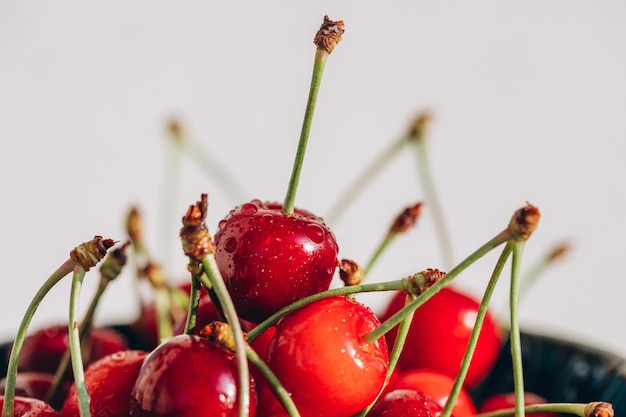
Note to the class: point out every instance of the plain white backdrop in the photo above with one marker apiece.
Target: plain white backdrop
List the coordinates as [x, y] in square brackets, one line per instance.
[528, 103]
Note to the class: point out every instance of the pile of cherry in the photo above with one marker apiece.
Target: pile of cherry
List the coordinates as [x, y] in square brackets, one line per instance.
[257, 331]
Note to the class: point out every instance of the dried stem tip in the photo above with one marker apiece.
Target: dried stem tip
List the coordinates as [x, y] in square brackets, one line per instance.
[175, 130]
[88, 254]
[134, 227]
[114, 262]
[599, 409]
[417, 284]
[524, 222]
[197, 242]
[350, 272]
[329, 35]
[419, 127]
[559, 251]
[406, 219]
[220, 333]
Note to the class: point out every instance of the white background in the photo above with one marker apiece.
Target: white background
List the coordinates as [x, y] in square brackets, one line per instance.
[528, 100]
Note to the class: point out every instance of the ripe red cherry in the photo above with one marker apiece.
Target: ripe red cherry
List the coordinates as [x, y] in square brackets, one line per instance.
[43, 350]
[109, 382]
[187, 376]
[405, 403]
[37, 385]
[31, 407]
[436, 385]
[319, 354]
[507, 400]
[270, 259]
[439, 334]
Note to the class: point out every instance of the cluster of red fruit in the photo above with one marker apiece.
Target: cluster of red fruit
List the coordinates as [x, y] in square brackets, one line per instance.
[261, 333]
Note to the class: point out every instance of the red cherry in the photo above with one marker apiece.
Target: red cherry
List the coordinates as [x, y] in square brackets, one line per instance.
[507, 400]
[37, 385]
[405, 403]
[436, 385]
[43, 350]
[439, 334]
[109, 382]
[319, 355]
[270, 259]
[187, 376]
[31, 407]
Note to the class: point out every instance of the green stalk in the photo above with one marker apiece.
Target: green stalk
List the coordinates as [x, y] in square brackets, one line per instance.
[9, 391]
[473, 340]
[394, 320]
[74, 343]
[365, 178]
[194, 302]
[384, 244]
[580, 410]
[212, 278]
[321, 57]
[516, 344]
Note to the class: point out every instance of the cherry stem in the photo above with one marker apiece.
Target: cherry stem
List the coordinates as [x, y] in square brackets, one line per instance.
[384, 244]
[359, 184]
[383, 286]
[474, 335]
[194, 302]
[516, 344]
[74, 343]
[597, 409]
[212, 280]
[277, 388]
[428, 185]
[531, 277]
[321, 57]
[9, 391]
[395, 319]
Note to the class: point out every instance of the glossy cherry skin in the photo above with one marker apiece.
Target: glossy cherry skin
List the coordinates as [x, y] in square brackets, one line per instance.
[436, 385]
[188, 376]
[405, 403]
[37, 385]
[507, 400]
[319, 354]
[109, 382]
[43, 350]
[270, 259]
[440, 332]
[31, 407]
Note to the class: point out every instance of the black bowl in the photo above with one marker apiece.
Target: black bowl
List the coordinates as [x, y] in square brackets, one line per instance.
[557, 369]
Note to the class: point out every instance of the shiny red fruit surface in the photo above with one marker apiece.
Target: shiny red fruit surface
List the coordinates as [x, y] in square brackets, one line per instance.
[109, 382]
[37, 385]
[439, 334]
[319, 354]
[42, 350]
[405, 403]
[270, 259]
[188, 376]
[436, 385]
[507, 400]
[31, 407]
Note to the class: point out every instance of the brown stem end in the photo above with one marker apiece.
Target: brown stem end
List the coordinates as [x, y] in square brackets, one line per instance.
[350, 272]
[524, 222]
[329, 34]
[406, 219]
[197, 242]
[599, 409]
[417, 284]
[88, 254]
[419, 128]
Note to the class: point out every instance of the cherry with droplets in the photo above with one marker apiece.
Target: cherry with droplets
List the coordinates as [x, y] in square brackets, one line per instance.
[405, 403]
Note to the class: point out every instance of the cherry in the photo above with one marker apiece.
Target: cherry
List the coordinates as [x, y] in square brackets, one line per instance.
[109, 382]
[42, 350]
[37, 385]
[319, 355]
[405, 403]
[435, 384]
[507, 400]
[31, 407]
[439, 334]
[186, 376]
[270, 259]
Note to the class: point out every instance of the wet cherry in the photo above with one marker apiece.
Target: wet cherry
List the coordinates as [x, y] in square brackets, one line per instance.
[319, 355]
[439, 334]
[31, 407]
[405, 403]
[507, 400]
[37, 385]
[187, 376]
[270, 259]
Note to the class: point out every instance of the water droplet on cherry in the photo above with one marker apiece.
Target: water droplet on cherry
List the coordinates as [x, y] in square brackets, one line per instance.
[249, 209]
[230, 244]
[315, 232]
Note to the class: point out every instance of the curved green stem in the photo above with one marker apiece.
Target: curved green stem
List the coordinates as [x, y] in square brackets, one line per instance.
[74, 343]
[516, 344]
[365, 178]
[274, 383]
[394, 320]
[212, 278]
[194, 302]
[170, 186]
[425, 174]
[559, 408]
[473, 340]
[265, 324]
[321, 57]
[384, 244]
[9, 391]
